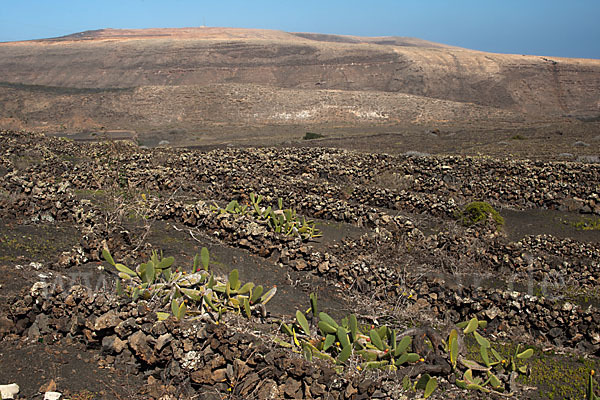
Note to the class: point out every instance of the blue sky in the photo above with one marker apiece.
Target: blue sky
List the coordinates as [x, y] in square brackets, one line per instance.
[539, 27]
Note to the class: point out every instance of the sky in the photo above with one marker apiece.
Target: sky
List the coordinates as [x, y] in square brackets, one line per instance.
[559, 28]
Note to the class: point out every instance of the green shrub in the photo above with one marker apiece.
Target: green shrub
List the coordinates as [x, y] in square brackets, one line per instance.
[479, 212]
[312, 135]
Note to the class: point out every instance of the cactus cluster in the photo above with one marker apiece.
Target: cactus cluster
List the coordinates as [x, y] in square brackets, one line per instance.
[385, 348]
[483, 377]
[198, 292]
[341, 343]
[279, 220]
[376, 347]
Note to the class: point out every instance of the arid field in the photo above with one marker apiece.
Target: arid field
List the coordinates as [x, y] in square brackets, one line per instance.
[214, 213]
[392, 247]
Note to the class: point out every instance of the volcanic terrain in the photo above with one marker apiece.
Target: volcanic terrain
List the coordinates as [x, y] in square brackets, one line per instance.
[373, 218]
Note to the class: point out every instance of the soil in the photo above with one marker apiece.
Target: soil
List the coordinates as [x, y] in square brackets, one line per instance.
[521, 223]
[71, 365]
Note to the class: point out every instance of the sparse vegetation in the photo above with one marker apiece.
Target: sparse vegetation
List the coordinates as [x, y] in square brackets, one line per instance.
[395, 223]
[375, 347]
[588, 224]
[560, 377]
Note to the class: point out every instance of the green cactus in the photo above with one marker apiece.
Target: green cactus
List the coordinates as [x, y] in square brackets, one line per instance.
[327, 324]
[301, 319]
[234, 281]
[307, 352]
[402, 346]
[156, 279]
[329, 341]
[344, 354]
[494, 381]
[471, 326]
[514, 360]
[247, 288]
[326, 328]
[353, 326]
[204, 258]
[408, 358]
[282, 220]
[478, 377]
[376, 339]
[483, 342]
[256, 294]
[313, 304]
[375, 364]
[178, 309]
[232, 206]
[339, 341]
[342, 335]
[427, 384]
[255, 200]
[382, 348]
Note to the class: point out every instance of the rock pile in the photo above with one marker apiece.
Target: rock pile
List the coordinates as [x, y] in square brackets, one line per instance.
[196, 356]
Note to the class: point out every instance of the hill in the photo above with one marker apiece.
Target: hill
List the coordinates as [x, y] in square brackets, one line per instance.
[209, 79]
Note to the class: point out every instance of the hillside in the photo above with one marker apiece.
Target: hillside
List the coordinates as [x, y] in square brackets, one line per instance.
[203, 78]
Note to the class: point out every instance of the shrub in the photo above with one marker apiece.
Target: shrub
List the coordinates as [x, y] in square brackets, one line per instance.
[312, 135]
[479, 212]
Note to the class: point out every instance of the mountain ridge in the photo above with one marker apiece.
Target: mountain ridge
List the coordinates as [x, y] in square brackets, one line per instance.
[209, 33]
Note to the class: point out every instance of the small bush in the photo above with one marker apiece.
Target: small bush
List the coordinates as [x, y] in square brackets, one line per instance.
[518, 137]
[312, 135]
[479, 212]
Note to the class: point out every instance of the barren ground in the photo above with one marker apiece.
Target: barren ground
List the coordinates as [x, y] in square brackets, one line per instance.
[396, 253]
[139, 135]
